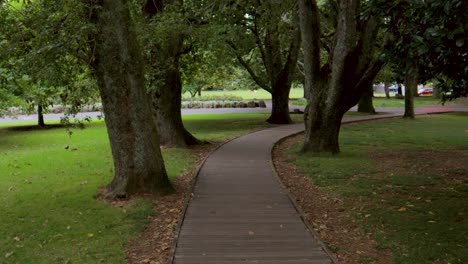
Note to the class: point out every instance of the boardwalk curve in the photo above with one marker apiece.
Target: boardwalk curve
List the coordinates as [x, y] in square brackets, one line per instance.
[239, 212]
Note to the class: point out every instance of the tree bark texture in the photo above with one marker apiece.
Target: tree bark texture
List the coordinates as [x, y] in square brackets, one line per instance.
[280, 106]
[337, 85]
[166, 91]
[139, 166]
[167, 97]
[40, 116]
[365, 104]
[411, 83]
[387, 90]
[280, 75]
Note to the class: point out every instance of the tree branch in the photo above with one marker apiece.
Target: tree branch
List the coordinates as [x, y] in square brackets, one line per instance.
[249, 69]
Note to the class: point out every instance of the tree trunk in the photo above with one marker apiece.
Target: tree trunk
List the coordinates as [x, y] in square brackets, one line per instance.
[280, 105]
[139, 166]
[167, 89]
[167, 100]
[399, 91]
[365, 103]
[40, 116]
[387, 90]
[339, 84]
[411, 82]
[322, 130]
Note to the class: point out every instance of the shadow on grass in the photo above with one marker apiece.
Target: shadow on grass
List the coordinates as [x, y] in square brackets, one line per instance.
[28, 128]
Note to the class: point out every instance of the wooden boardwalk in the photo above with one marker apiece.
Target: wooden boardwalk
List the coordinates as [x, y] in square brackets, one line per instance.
[240, 214]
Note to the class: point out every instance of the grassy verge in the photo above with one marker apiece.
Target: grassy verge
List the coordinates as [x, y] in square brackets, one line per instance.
[259, 94]
[47, 207]
[404, 182]
[396, 102]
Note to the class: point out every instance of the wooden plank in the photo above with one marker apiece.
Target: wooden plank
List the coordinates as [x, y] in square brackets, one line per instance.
[240, 214]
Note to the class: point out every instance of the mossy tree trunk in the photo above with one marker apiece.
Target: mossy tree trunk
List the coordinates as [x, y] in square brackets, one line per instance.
[166, 90]
[139, 166]
[338, 85]
[40, 116]
[365, 104]
[411, 84]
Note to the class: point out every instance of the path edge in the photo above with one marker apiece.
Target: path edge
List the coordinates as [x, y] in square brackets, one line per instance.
[314, 233]
[189, 197]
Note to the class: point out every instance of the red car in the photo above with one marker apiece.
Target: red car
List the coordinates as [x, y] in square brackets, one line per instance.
[427, 91]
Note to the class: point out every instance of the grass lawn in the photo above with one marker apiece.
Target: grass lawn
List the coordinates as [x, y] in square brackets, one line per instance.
[404, 182]
[48, 210]
[395, 102]
[259, 94]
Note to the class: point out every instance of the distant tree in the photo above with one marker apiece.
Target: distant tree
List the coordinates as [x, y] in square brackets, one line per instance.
[430, 38]
[386, 76]
[264, 37]
[165, 45]
[44, 67]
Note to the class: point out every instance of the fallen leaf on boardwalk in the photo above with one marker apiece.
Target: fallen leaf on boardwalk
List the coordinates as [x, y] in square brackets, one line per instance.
[251, 233]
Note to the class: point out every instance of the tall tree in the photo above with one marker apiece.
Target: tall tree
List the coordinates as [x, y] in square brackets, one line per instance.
[133, 135]
[338, 84]
[165, 76]
[430, 38]
[40, 49]
[266, 42]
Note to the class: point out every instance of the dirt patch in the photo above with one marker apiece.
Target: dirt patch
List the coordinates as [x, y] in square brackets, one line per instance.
[450, 165]
[328, 215]
[154, 245]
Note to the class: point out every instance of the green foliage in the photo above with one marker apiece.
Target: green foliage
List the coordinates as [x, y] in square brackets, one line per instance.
[44, 48]
[413, 206]
[432, 34]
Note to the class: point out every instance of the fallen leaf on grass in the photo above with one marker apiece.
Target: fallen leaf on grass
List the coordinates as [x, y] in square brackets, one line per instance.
[90, 235]
[402, 209]
[16, 238]
[8, 254]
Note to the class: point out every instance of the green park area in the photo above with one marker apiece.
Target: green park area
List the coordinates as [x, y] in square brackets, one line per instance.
[404, 182]
[49, 180]
[116, 190]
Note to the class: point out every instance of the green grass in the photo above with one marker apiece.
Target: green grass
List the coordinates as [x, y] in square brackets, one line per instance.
[395, 102]
[48, 210]
[259, 94]
[416, 207]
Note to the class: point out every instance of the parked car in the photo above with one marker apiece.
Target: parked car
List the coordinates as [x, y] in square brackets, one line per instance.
[426, 91]
[393, 88]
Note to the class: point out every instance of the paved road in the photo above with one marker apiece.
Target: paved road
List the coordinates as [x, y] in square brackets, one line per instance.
[49, 117]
